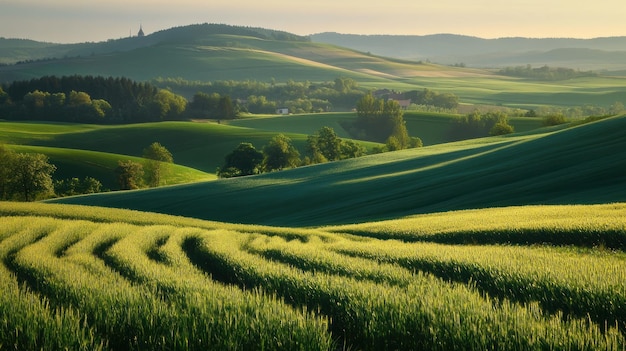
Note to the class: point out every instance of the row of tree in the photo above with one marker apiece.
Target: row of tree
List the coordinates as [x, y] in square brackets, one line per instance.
[545, 72]
[88, 99]
[261, 97]
[280, 153]
[478, 124]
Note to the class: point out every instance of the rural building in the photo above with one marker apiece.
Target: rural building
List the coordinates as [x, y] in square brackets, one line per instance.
[404, 103]
[141, 33]
[282, 111]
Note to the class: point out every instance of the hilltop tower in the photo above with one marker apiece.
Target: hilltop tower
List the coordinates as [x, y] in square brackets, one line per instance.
[140, 34]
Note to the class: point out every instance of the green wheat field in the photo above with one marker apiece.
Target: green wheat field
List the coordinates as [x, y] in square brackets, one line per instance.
[116, 279]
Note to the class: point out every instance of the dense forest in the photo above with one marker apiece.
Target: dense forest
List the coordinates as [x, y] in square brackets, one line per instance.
[88, 99]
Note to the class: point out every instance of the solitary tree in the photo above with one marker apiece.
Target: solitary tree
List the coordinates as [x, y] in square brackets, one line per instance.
[129, 174]
[156, 164]
[244, 160]
[280, 153]
[31, 176]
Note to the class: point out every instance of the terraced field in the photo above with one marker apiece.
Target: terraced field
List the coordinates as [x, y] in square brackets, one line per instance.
[89, 278]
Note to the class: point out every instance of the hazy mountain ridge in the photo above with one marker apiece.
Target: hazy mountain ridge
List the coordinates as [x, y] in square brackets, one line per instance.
[17, 50]
[474, 51]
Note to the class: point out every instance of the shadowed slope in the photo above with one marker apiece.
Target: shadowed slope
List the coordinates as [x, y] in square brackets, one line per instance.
[586, 164]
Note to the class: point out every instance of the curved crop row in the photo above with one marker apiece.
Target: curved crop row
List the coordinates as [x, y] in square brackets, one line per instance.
[163, 282]
[131, 315]
[584, 226]
[426, 314]
[582, 285]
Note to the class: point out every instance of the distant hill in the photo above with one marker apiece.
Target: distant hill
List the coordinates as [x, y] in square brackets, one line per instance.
[15, 50]
[209, 52]
[212, 52]
[598, 53]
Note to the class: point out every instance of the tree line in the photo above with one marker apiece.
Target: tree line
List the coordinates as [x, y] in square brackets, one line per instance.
[265, 98]
[545, 72]
[280, 153]
[480, 124]
[88, 99]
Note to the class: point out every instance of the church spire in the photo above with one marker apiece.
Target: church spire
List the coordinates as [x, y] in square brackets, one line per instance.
[140, 34]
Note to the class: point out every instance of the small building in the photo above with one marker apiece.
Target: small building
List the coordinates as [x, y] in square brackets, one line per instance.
[141, 33]
[282, 111]
[404, 103]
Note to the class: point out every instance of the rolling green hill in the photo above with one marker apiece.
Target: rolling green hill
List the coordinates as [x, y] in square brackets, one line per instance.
[198, 145]
[584, 164]
[212, 52]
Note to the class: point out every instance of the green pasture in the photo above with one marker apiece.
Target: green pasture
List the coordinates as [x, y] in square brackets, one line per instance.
[153, 281]
[578, 165]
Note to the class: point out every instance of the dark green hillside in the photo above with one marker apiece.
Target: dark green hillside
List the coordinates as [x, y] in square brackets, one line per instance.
[584, 164]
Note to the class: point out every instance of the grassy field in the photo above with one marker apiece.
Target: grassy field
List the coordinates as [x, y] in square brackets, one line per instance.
[99, 279]
[583, 164]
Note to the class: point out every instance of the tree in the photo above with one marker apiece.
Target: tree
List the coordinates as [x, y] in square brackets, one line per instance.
[379, 120]
[7, 158]
[350, 149]
[129, 174]
[75, 186]
[31, 176]
[554, 119]
[280, 154]
[324, 143]
[244, 160]
[157, 157]
[226, 108]
[167, 105]
[501, 128]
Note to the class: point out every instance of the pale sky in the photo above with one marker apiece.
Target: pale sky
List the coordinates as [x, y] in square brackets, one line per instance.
[68, 21]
